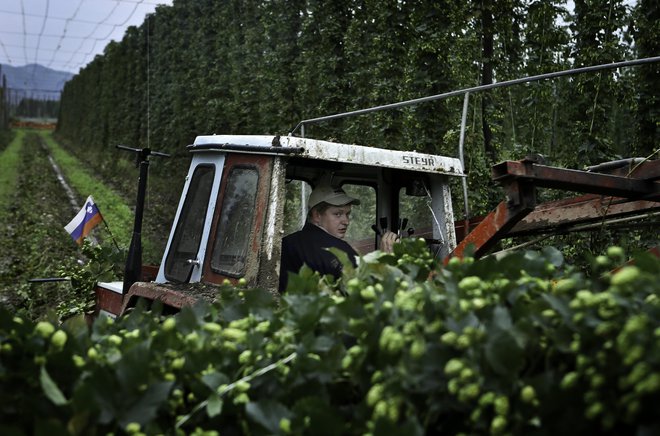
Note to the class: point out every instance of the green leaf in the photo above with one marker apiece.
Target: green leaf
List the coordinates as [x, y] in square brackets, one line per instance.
[267, 413]
[77, 325]
[214, 379]
[559, 305]
[144, 409]
[504, 347]
[501, 318]
[343, 258]
[305, 281]
[553, 256]
[323, 419]
[305, 310]
[374, 257]
[130, 370]
[261, 301]
[647, 261]
[504, 353]
[189, 318]
[213, 405]
[51, 390]
[323, 343]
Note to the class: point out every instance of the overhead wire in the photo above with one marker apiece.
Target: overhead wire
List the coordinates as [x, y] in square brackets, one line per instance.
[89, 35]
[5, 50]
[81, 52]
[9, 32]
[41, 32]
[66, 28]
[24, 31]
[29, 47]
[114, 27]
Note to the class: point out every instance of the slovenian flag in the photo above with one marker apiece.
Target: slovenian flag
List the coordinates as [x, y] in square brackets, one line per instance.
[83, 223]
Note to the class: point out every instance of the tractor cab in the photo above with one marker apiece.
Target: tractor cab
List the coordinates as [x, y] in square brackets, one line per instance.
[243, 194]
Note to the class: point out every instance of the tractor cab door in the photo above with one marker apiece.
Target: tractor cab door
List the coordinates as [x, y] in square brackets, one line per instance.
[186, 247]
[237, 229]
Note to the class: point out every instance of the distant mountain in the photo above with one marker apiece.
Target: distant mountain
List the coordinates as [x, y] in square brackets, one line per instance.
[34, 81]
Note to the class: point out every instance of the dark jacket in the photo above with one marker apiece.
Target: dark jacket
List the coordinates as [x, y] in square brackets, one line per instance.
[308, 246]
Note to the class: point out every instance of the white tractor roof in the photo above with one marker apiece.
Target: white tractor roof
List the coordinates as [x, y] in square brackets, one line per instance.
[329, 151]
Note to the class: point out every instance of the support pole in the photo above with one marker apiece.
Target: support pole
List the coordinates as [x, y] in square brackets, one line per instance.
[133, 268]
[461, 143]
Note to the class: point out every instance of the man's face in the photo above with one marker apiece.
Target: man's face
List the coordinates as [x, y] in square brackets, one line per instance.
[334, 220]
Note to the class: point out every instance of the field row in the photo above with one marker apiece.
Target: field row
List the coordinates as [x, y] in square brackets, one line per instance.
[35, 209]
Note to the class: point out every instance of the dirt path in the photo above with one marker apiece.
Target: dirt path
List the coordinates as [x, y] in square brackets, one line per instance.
[73, 198]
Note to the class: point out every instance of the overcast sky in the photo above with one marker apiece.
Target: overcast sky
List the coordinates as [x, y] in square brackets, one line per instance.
[65, 35]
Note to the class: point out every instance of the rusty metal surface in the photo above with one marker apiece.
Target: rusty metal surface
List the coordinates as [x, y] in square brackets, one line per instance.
[575, 180]
[464, 227]
[175, 296]
[633, 189]
[107, 300]
[648, 170]
[520, 201]
[492, 228]
[553, 216]
[149, 273]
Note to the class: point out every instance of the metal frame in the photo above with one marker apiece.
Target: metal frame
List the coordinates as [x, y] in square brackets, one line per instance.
[466, 94]
[570, 72]
[610, 195]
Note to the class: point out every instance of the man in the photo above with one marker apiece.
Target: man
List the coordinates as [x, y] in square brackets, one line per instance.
[327, 222]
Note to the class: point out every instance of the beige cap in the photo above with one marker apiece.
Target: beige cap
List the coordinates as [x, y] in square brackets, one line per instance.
[334, 196]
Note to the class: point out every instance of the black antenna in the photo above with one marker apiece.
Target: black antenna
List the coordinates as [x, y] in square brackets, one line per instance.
[133, 268]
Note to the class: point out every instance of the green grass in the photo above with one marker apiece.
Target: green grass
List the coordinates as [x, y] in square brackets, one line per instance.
[32, 235]
[116, 213]
[9, 162]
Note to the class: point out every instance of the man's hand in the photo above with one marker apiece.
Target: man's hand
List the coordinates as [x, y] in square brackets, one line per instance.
[387, 241]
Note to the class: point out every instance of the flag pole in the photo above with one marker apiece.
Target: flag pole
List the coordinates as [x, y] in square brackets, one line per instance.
[105, 223]
[109, 231]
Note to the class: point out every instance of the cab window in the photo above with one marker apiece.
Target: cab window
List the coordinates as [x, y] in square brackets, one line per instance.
[236, 219]
[188, 233]
[294, 213]
[417, 209]
[359, 235]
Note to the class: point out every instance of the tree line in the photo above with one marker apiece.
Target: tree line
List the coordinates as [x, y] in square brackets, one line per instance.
[259, 67]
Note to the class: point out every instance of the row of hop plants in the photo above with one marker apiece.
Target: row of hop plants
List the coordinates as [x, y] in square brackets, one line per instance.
[525, 344]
